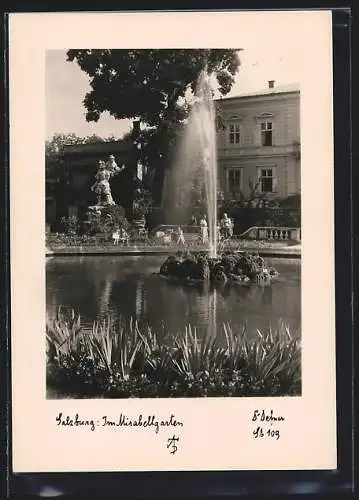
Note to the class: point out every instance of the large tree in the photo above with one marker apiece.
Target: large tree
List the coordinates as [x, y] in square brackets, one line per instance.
[151, 86]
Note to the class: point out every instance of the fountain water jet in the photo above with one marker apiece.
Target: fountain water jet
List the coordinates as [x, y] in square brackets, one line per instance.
[196, 164]
[197, 161]
[204, 121]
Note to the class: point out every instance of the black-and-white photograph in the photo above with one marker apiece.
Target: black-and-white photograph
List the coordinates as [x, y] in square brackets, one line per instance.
[173, 222]
[172, 241]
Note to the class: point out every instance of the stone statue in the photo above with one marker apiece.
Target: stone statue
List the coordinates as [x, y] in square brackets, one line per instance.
[102, 185]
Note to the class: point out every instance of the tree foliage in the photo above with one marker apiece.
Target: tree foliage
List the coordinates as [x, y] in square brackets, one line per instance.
[59, 141]
[146, 84]
[151, 86]
[54, 148]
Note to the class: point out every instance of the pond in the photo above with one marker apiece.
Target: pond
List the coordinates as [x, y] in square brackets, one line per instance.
[126, 286]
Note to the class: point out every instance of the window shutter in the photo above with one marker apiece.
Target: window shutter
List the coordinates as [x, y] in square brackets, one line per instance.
[72, 211]
[257, 181]
[273, 133]
[257, 134]
[227, 180]
[275, 185]
[230, 134]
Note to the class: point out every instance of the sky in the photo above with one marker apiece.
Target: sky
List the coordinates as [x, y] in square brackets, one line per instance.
[66, 85]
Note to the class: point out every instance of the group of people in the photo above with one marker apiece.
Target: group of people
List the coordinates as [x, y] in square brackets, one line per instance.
[120, 235]
[224, 230]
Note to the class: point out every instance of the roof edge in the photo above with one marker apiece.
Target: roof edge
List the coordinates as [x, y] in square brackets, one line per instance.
[283, 89]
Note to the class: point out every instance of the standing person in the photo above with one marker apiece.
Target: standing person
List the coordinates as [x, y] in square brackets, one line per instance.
[203, 228]
[124, 237]
[193, 220]
[180, 236]
[227, 226]
[116, 236]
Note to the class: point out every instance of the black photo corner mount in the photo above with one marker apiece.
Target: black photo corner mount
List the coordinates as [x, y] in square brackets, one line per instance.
[228, 483]
[5, 351]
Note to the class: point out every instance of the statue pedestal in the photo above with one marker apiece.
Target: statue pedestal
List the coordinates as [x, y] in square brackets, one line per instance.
[105, 219]
[96, 208]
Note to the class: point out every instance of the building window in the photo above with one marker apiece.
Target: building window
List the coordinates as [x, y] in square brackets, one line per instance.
[267, 133]
[80, 181]
[234, 133]
[50, 209]
[234, 180]
[267, 180]
[72, 211]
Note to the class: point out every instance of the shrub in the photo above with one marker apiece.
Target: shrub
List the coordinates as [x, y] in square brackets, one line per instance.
[106, 219]
[240, 267]
[71, 224]
[56, 240]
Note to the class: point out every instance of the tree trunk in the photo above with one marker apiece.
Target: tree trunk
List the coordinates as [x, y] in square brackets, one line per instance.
[158, 183]
[164, 134]
[131, 196]
[132, 173]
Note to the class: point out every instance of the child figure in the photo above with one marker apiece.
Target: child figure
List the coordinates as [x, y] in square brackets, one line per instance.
[180, 236]
[167, 239]
[124, 237]
[116, 236]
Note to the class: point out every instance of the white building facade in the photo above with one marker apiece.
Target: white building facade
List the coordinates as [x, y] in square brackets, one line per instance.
[259, 146]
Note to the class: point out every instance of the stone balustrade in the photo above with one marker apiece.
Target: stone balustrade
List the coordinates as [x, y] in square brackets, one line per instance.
[273, 233]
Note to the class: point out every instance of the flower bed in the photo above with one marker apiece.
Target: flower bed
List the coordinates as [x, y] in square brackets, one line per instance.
[59, 240]
[62, 240]
[121, 361]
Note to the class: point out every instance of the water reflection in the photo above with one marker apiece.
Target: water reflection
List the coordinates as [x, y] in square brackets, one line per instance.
[126, 286]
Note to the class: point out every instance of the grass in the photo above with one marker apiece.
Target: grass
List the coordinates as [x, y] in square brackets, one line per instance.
[122, 360]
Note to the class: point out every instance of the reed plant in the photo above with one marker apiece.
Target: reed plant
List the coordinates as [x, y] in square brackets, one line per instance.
[62, 334]
[197, 355]
[124, 359]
